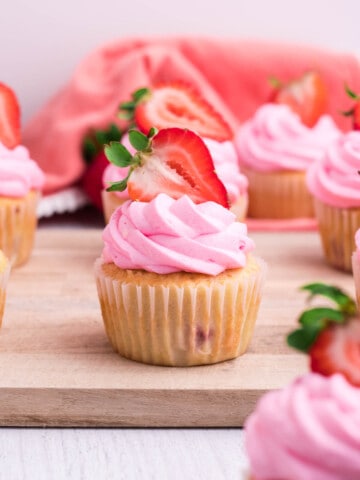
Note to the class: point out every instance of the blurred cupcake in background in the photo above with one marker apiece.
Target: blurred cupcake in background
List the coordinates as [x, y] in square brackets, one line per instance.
[275, 149]
[356, 265]
[334, 182]
[21, 181]
[4, 275]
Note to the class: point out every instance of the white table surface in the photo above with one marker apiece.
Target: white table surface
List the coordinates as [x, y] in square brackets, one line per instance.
[119, 454]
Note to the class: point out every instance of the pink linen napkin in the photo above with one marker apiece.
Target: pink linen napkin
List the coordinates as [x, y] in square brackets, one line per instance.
[231, 74]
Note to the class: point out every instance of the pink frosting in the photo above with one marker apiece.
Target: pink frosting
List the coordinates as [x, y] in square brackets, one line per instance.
[18, 173]
[335, 179]
[112, 173]
[167, 235]
[309, 430]
[275, 139]
[227, 168]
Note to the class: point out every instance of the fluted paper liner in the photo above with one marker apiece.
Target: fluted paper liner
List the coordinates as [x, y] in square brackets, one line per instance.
[110, 203]
[4, 276]
[278, 195]
[179, 319]
[356, 273]
[17, 227]
[337, 227]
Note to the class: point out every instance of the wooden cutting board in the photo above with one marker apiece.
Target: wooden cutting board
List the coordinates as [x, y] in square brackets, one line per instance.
[57, 367]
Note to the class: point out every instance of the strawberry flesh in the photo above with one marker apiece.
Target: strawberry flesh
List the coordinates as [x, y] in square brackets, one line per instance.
[337, 350]
[178, 164]
[306, 96]
[9, 117]
[178, 105]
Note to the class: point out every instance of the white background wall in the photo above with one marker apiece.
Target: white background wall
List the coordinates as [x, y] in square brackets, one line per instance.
[41, 41]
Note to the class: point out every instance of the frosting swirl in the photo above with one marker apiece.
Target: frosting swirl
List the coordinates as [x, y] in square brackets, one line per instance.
[227, 167]
[18, 173]
[167, 235]
[309, 430]
[335, 179]
[275, 139]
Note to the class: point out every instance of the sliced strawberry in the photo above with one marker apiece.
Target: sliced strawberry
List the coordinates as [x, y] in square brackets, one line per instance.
[178, 105]
[337, 350]
[175, 161]
[306, 96]
[9, 117]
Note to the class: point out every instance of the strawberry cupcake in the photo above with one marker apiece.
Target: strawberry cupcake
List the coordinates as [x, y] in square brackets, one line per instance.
[311, 429]
[20, 183]
[275, 150]
[4, 275]
[177, 281]
[334, 182]
[356, 265]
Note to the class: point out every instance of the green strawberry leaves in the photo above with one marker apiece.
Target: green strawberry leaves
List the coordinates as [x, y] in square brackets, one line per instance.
[315, 320]
[127, 109]
[120, 156]
[95, 140]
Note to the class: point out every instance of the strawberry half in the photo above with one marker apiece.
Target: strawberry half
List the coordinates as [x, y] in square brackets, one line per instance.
[331, 336]
[176, 104]
[9, 117]
[354, 112]
[337, 350]
[306, 96]
[173, 161]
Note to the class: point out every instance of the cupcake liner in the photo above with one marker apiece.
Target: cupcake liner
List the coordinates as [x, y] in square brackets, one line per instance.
[110, 203]
[240, 207]
[17, 227]
[179, 319]
[337, 227]
[356, 273]
[4, 276]
[278, 195]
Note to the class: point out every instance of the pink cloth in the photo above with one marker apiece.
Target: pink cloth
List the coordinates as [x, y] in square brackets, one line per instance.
[231, 74]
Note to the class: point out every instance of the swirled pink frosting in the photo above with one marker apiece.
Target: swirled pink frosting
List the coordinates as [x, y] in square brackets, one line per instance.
[227, 168]
[309, 430]
[18, 173]
[276, 140]
[335, 179]
[167, 235]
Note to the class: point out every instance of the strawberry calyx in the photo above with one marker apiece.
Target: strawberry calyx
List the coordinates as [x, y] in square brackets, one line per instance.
[120, 156]
[127, 109]
[353, 112]
[316, 320]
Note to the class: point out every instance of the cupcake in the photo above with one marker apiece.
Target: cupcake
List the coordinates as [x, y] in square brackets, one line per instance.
[311, 428]
[334, 182]
[177, 281]
[4, 274]
[226, 165]
[308, 430]
[275, 149]
[356, 266]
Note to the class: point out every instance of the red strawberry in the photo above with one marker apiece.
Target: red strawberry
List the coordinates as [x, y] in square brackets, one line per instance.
[337, 350]
[9, 117]
[92, 179]
[175, 162]
[306, 96]
[177, 104]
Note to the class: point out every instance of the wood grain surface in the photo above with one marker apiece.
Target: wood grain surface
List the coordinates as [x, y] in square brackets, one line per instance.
[58, 369]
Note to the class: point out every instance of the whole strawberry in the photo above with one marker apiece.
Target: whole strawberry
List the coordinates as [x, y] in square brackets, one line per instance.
[93, 154]
[306, 96]
[331, 336]
[9, 117]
